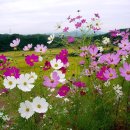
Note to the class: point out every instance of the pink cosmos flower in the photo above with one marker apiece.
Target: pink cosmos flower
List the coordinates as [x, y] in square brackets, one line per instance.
[28, 47]
[115, 33]
[82, 62]
[100, 73]
[63, 91]
[66, 29]
[78, 25]
[93, 50]
[70, 39]
[110, 74]
[122, 52]
[53, 82]
[12, 71]
[40, 48]
[78, 17]
[79, 84]
[47, 65]
[124, 45]
[111, 59]
[72, 20]
[15, 43]
[3, 60]
[31, 59]
[125, 71]
[84, 48]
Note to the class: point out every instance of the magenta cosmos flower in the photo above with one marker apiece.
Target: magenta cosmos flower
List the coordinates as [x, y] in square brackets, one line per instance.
[53, 82]
[40, 48]
[125, 71]
[110, 74]
[63, 91]
[12, 71]
[15, 43]
[70, 39]
[100, 74]
[31, 59]
[63, 56]
[79, 84]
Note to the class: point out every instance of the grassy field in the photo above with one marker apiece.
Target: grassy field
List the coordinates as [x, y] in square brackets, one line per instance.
[101, 112]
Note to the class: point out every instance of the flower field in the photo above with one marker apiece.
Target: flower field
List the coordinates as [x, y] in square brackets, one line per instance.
[84, 85]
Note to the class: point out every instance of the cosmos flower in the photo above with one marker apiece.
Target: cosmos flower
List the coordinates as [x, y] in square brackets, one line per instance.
[28, 47]
[93, 50]
[106, 40]
[51, 82]
[47, 65]
[15, 43]
[78, 25]
[51, 38]
[125, 71]
[40, 48]
[63, 90]
[56, 64]
[10, 82]
[40, 105]
[31, 59]
[70, 39]
[26, 110]
[100, 73]
[60, 75]
[63, 56]
[110, 74]
[124, 45]
[25, 82]
[12, 71]
[79, 84]
[66, 29]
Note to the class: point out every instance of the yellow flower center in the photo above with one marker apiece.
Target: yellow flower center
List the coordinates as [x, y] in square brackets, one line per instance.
[25, 83]
[128, 72]
[38, 106]
[27, 109]
[110, 75]
[10, 83]
[56, 65]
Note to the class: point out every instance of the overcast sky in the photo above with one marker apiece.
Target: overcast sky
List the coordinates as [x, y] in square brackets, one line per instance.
[41, 16]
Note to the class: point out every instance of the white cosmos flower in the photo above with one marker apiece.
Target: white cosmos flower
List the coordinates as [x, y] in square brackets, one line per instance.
[25, 83]
[33, 76]
[51, 38]
[56, 64]
[40, 105]
[26, 109]
[61, 76]
[10, 82]
[40, 58]
[100, 48]
[106, 40]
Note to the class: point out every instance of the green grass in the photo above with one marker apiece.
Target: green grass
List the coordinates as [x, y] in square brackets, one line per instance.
[89, 112]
